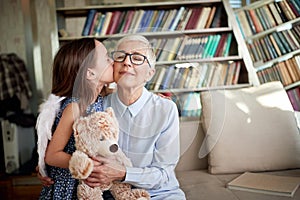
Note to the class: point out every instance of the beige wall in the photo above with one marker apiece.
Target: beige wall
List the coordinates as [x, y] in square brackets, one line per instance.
[28, 28]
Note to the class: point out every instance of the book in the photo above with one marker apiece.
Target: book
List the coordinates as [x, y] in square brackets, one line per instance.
[244, 25]
[152, 20]
[294, 7]
[277, 49]
[266, 184]
[250, 22]
[98, 28]
[158, 20]
[128, 21]
[95, 24]
[227, 45]
[169, 20]
[113, 25]
[184, 19]
[216, 23]
[174, 50]
[203, 18]
[193, 18]
[261, 18]
[137, 24]
[285, 10]
[210, 17]
[147, 16]
[121, 22]
[204, 71]
[275, 14]
[106, 22]
[269, 17]
[257, 25]
[159, 79]
[88, 22]
[282, 15]
[178, 15]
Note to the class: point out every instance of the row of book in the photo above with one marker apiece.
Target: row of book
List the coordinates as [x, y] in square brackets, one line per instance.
[132, 21]
[192, 47]
[186, 47]
[195, 75]
[294, 96]
[252, 21]
[275, 44]
[287, 72]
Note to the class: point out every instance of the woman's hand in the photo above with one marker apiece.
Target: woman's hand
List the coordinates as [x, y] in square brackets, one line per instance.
[45, 180]
[105, 171]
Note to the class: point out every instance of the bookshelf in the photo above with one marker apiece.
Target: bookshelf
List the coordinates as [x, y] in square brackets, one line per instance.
[269, 34]
[195, 43]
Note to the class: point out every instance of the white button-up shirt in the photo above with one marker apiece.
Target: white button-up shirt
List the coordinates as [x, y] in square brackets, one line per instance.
[149, 136]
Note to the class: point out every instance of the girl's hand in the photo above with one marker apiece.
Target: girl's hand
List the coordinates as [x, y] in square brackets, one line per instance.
[46, 181]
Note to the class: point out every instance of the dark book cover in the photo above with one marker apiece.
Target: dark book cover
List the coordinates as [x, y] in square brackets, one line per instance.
[88, 22]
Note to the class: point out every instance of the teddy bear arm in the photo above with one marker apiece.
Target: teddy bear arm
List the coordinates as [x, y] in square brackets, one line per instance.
[85, 192]
[123, 191]
[80, 165]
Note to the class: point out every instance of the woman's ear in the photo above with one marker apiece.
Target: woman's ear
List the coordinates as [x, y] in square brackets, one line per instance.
[90, 74]
[150, 74]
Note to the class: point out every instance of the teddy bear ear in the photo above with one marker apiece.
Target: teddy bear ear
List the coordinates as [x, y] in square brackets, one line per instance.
[110, 111]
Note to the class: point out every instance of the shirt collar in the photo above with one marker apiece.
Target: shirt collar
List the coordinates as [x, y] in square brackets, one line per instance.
[134, 108]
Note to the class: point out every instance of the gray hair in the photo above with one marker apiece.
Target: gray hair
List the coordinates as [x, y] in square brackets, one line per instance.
[150, 51]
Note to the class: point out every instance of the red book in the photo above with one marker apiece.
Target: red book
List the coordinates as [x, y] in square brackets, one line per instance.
[220, 47]
[193, 19]
[256, 22]
[128, 20]
[113, 22]
[94, 23]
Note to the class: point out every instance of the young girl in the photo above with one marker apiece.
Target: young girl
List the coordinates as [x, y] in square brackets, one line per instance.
[81, 68]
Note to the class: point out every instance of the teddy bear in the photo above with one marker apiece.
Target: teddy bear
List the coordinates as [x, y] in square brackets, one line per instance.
[97, 135]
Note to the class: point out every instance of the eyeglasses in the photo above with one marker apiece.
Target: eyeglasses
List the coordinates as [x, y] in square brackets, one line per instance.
[135, 58]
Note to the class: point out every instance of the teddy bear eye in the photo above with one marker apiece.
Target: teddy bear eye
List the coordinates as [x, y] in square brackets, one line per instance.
[101, 139]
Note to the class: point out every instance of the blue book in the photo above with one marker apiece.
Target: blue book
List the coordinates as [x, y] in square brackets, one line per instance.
[176, 19]
[167, 77]
[158, 20]
[100, 25]
[144, 21]
[228, 44]
[88, 22]
[148, 20]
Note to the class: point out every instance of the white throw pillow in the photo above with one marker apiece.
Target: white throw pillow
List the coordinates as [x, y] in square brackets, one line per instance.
[249, 129]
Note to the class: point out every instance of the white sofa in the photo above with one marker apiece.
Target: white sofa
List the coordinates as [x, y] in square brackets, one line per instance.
[200, 179]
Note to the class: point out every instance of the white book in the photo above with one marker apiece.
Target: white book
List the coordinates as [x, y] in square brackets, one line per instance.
[177, 18]
[203, 17]
[159, 78]
[266, 184]
[169, 20]
[137, 24]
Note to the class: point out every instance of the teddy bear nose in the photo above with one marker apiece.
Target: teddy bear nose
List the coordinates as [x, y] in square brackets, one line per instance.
[113, 148]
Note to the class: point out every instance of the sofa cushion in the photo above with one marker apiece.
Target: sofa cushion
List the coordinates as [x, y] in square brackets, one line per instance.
[249, 129]
[199, 184]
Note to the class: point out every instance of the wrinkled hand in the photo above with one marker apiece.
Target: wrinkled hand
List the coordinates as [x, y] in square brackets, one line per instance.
[45, 180]
[105, 171]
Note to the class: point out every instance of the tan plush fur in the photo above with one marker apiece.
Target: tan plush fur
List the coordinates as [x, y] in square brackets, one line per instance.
[97, 135]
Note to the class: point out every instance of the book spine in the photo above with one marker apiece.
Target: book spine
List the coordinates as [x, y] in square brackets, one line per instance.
[177, 18]
[88, 22]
